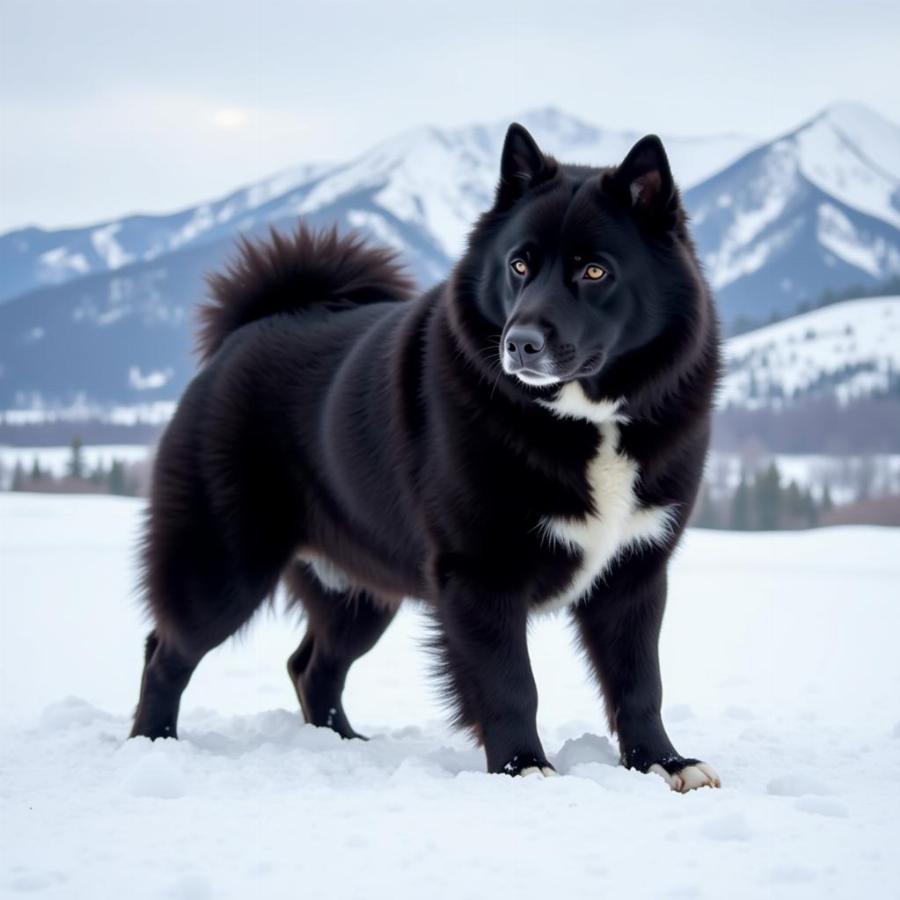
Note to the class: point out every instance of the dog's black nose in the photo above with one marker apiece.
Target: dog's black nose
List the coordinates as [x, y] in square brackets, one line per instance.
[525, 344]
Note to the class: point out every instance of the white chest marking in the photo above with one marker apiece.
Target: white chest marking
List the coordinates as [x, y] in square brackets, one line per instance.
[331, 576]
[618, 521]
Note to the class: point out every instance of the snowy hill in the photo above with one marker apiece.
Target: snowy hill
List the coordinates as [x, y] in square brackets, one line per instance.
[848, 350]
[816, 209]
[791, 695]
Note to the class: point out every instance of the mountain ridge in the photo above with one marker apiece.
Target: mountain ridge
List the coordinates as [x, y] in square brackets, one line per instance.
[116, 328]
[34, 257]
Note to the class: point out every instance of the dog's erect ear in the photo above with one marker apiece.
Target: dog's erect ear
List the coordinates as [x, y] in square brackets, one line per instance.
[521, 164]
[646, 179]
[522, 158]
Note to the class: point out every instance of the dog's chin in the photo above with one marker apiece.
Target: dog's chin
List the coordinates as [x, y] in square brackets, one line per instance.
[592, 366]
[536, 379]
[586, 369]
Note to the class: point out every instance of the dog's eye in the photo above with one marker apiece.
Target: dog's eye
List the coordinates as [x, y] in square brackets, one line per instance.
[519, 266]
[593, 272]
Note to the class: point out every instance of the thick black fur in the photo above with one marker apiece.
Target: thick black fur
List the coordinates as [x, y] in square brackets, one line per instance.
[341, 426]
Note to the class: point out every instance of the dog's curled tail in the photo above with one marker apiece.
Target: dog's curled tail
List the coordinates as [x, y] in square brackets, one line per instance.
[289, 273]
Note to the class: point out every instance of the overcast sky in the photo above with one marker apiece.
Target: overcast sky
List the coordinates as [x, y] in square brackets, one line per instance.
[112, 106]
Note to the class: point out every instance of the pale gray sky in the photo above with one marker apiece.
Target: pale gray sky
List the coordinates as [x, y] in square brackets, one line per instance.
[113, 106]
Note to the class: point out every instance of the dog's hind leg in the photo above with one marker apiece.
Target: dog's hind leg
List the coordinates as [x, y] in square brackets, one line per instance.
[203, 583]
[176, 646]
[166, 674]
[342, 626]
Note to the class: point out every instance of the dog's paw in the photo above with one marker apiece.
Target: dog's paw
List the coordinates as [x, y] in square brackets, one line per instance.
[529, 764]
[543, 771]
[692, 776]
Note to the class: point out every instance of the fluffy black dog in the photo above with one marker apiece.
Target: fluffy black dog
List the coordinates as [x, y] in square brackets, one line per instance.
[526, 436]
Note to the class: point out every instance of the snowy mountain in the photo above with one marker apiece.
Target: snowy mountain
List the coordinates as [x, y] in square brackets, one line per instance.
[103, 314]
[849, 350]
[107, 313]
[34, 257]
[816, 209]
[419, 192]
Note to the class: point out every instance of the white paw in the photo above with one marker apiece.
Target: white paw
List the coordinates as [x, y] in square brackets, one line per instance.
[545, 771]
[689, 778]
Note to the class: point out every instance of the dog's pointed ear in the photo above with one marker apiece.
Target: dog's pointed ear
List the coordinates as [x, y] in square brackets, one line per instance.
[521, 164]
[645, 179]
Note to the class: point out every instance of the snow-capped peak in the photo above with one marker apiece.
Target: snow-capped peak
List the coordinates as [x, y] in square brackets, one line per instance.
[425, 187]
[852, 153]
[565, 128]
[816, 209]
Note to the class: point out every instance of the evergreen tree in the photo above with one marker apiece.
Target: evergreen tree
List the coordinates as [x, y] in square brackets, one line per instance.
[740, 505]
[37, 474]
[98, 476]
[116, 481]
[76, 458]
[767, 499]
[795, 506]
[826, 504]
[18, 479]
[812, 509]
[705, 515]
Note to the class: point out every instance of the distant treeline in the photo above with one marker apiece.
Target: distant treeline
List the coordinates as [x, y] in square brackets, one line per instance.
[742, 324]
[118, 478]
[762, 502]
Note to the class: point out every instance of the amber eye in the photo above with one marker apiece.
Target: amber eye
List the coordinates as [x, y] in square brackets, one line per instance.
[519, 266]
[593, 272]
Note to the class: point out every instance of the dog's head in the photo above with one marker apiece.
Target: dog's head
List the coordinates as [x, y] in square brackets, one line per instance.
[579, 266]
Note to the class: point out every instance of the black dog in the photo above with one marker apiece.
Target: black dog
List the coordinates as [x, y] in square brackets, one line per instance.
[526, 436]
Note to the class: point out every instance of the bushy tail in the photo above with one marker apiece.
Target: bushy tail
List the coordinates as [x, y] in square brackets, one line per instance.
[288, 273]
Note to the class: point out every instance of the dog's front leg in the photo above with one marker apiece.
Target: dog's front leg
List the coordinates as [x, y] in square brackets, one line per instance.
[483, 642]
[619, 626]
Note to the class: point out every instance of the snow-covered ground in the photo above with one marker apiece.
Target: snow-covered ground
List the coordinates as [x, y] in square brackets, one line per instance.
[780, 664]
